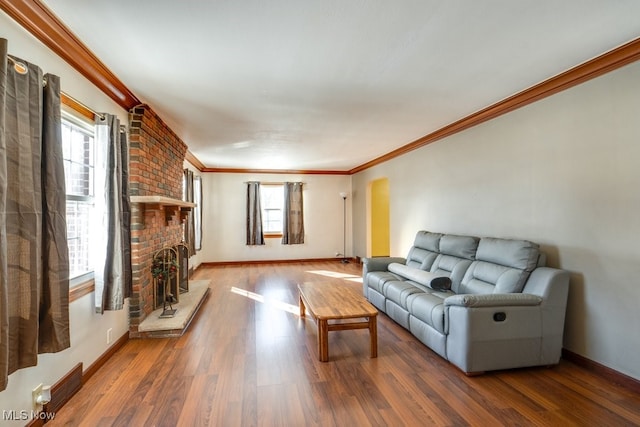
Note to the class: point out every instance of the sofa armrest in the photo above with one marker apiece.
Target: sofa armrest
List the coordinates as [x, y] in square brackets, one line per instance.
[492, 300]
[504, 331]
[379, 264]
[485, 336]
[414, 274]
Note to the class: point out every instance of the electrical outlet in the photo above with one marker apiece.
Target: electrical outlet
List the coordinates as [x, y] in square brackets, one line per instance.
[109, 331]
[35, 393]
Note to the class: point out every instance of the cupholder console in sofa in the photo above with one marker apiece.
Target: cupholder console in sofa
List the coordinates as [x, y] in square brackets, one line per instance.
[503, 308]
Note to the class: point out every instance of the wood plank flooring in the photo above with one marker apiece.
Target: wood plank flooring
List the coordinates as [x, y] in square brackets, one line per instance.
[248, 359]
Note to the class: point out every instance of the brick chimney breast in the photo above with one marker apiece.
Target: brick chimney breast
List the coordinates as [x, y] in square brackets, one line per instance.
[156, 167]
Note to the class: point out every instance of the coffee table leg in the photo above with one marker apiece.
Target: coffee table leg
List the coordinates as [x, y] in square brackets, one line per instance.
[301, 305]
[323, 340]
[373, 335]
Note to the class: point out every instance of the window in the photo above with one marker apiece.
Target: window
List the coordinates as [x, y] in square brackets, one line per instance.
[78, 149]
[272, 201]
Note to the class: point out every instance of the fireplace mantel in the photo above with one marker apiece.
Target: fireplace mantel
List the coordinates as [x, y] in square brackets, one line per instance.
[161, 200]
[171, 207]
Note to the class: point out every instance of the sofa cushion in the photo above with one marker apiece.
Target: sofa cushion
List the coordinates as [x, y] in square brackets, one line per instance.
[452, 267]
[485, 278]
[457, 253]
[427, 240]
[424, 250]
[377, 280]
[520, 254]
[399, 291]
[429, 308]
[501, 266]
[459, 246]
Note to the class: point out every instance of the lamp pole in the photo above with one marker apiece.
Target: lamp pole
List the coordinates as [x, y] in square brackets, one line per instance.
[344, 228]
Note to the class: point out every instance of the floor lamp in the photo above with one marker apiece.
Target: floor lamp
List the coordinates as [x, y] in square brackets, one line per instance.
[344, 228]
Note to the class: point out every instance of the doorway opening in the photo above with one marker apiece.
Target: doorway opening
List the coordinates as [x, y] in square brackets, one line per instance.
[378, 235]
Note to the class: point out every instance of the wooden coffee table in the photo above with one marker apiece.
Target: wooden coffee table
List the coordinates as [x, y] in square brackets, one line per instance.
[328, 301]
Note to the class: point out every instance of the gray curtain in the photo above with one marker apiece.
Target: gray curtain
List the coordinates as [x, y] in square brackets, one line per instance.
[292, 215]
[113, 281]
[190, 232]
[254, 215]
[197, 190]
[34, 260]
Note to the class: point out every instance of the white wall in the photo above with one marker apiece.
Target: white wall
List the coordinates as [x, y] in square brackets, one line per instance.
[563, 172]
[224, 220]
[88, 330]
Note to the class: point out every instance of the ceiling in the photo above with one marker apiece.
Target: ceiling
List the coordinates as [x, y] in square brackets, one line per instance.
[333, 84]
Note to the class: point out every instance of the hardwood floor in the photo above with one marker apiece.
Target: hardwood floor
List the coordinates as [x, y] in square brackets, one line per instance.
[248, 359]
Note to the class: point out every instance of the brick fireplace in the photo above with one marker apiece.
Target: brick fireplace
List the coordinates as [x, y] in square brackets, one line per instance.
[156, 170]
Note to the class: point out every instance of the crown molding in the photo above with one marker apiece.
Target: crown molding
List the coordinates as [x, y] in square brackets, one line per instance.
[33, 16]
[607, 62]
[191, 158]
[277, 171]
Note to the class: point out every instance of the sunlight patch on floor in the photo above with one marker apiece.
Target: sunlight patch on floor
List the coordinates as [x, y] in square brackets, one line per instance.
[268, 301]
[337, 275]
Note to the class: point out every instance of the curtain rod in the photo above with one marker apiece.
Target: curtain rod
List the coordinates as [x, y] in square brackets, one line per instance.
[22, 69]
[101, 115]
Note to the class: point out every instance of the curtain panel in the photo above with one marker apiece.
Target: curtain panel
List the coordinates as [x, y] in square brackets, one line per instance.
[255, 235]
[34, 260]
[112, 275]
[197, 189]
[292, 216]
[190, 231]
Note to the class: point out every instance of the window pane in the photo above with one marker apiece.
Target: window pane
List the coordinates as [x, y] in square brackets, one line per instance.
[78, 232]
[272, 199]
[79, 182]
[78, 152]
[272, 220]
[272, 196]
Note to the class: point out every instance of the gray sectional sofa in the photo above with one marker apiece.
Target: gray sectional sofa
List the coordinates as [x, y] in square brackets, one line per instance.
[504, 308]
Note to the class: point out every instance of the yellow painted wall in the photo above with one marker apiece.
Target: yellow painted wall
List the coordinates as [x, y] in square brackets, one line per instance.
[380, 217]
